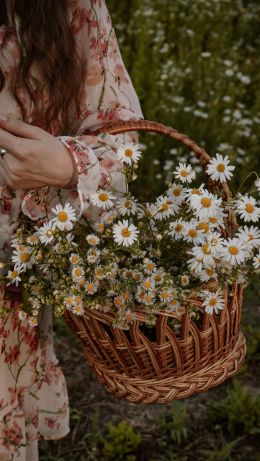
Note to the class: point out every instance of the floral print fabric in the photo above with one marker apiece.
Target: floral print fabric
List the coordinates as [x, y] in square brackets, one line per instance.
[33, 393]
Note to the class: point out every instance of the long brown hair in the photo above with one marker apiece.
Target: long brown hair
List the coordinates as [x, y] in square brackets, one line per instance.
[46, 39]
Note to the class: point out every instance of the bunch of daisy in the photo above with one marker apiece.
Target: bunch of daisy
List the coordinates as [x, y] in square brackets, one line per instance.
[149, 256]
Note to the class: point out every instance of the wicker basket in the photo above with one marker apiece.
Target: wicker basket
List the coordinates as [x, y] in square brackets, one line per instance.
[176, 364]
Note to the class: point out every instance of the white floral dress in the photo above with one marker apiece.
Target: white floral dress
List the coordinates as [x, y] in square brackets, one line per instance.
[33, 393]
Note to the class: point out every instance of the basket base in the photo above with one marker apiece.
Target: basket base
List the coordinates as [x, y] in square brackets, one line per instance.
[138, 390]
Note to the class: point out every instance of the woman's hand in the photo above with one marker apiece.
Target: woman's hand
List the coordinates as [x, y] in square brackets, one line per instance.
[34, 157]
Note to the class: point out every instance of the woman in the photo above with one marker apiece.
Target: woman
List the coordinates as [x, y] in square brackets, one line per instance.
[61, 74]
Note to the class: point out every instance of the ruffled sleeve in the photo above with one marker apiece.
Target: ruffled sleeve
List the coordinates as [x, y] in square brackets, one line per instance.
[107, 94]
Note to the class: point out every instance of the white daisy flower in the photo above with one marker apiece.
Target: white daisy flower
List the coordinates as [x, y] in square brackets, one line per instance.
[256, 261]
[69, 301]
[108, 217]
[247, 208]
[33, 322]
[14, 277]
[102, 199]
[125, 233]
[100, 273]
[250, 235]
[65, 216]
[176, 192]
[77, 273]
[165, 207]
[213, 302]
[127, 206]
[78, 309]
[90, 287]
[215, 241]
[165, 295]
[177, 229]
[92, 239]
[149, 266]
[148, 298]
[22, 259]
[148, 284]
[207, 274]
[234, 251]
[74, 259]
[204, 254]
[159, 276]
[195, 265]
[99, 227]
[188, 193]
[32, 240]
[219, 169]
[46, 233]
[185, 280]
[205, 204]
[184, 172]
[192, 233]
[217, 219]
[22, 316]
[93, 255]
[129, 153]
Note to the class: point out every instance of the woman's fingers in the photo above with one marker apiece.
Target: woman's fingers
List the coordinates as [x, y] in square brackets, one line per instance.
[19, 128]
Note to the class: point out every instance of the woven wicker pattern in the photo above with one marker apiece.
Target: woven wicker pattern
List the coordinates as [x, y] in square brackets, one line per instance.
[180, 356]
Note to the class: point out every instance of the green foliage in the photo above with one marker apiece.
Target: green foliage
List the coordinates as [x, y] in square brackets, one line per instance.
[223, 453]
[120, 443]
[238, 412]
[174, 424]
[195, 66]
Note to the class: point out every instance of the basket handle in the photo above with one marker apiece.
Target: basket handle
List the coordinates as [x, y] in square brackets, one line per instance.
[148, 125]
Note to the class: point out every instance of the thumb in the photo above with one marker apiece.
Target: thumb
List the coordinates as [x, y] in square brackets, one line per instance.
[18, 127]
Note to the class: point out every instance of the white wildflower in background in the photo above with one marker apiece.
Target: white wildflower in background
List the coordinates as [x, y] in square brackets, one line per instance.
[127, 206]
[125, 233]
[91, 287]
[129, 153]
[22, 316]
[184, 173]
[102, 199]
[65, 216]
[219, 168]
[213, 302]
[149, 266]
[77, 273]
[247, 208]
[33, 322]
[192, 233]
[74, 259]
[257, 184]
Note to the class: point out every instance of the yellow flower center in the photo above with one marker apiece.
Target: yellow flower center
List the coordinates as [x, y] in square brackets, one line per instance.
[150, 266]
[192, 233]
[204, 226]
[21, 247]
[148, 298]
[49, 233]
[147, 284]
[74, 259]
[92, 241]
[78, 272]
[196, 192]
[69, 300]
[209, 271]
[213, 302]
[62, 216]
[233, 250]
[213, 220]
[164, 295]
[206, 249]
[206, 202]
[184, 173]
[165, 206]
[90, 286]
[249, 208]
[176, 192]
[178, 227]
[14, 274]
[103, 197]
[125, 232]
[129, 153]
[24, 257]
[221, 167]
[128, 204]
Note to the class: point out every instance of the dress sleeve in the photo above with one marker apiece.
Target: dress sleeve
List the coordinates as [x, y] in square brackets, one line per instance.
[107, 94]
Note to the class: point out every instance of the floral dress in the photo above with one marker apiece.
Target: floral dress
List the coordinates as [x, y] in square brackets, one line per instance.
[33, 394]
